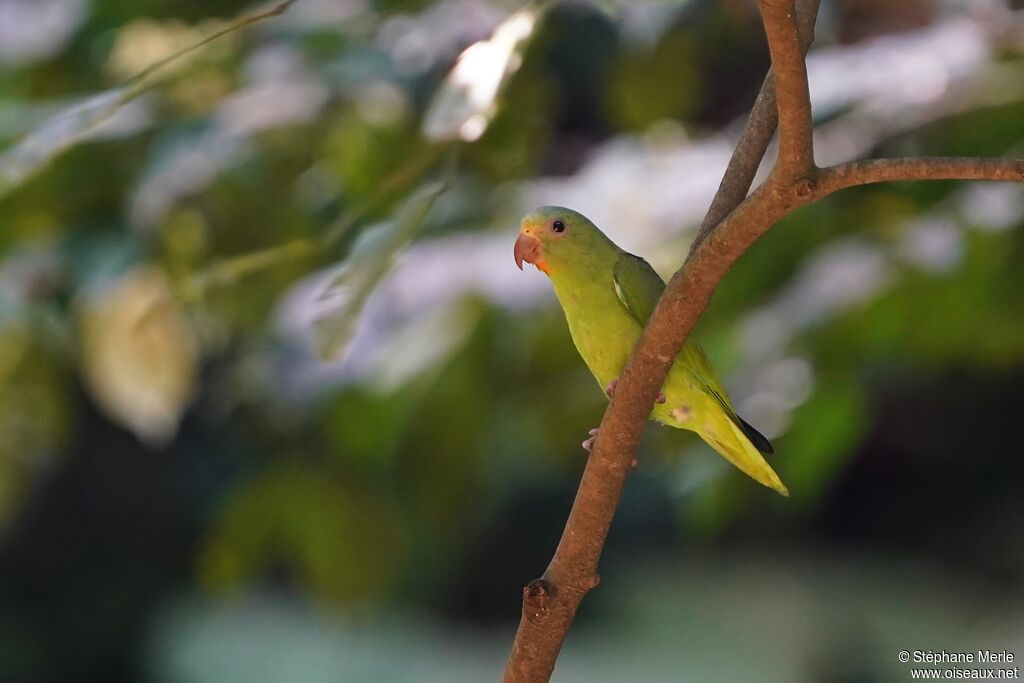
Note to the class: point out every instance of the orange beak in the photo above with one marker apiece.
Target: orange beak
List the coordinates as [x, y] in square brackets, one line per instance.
[528, 249]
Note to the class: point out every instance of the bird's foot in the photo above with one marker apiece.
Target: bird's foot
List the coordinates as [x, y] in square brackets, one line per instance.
[588, 445]
[610, 390]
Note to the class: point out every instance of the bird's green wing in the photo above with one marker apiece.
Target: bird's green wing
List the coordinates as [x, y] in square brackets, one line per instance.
[638, 288]
[696, 361]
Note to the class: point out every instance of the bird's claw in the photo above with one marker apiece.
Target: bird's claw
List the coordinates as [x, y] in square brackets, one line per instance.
[610, 390]
[588, 445]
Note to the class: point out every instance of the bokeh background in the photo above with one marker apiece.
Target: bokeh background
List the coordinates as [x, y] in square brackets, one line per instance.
[276, 406]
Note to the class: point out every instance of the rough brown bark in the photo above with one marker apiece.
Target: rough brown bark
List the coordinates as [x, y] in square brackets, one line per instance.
[550, 602]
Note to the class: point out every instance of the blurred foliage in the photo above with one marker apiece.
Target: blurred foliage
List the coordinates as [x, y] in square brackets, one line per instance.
[368, 262]
[346, 177]
[648, 86]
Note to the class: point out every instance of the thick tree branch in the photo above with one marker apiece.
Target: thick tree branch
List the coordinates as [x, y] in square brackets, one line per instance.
[550, 603]
[756, 136]
[796, 147]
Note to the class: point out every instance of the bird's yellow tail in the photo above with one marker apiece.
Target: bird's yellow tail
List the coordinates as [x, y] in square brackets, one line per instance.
[733, 445]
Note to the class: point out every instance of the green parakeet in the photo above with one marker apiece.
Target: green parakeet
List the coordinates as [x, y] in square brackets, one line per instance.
[607, 295]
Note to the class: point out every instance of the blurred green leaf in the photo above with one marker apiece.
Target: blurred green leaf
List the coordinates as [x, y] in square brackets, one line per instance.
[369, 261]
[65, 130]
[35, 411]
[360, 153]
[335, 537]
[824, 432]
[645, 87]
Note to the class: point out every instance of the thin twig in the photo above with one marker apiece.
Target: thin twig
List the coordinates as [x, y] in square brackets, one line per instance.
[232, 269]
[870, 171]
[240, 22]
[413, 168]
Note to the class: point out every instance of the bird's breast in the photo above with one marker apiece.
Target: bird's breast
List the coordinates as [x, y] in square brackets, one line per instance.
[602, 330]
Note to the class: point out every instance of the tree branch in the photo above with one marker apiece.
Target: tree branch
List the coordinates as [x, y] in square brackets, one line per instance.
[550, 602]
[756, 136]
[870, 171]
[796, 147]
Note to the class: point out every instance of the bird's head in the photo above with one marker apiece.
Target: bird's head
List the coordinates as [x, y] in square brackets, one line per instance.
[552, 237]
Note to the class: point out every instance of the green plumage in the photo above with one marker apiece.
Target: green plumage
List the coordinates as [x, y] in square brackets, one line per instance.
[607, 295]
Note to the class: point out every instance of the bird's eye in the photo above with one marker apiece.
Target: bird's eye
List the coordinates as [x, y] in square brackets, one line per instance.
[558, 226]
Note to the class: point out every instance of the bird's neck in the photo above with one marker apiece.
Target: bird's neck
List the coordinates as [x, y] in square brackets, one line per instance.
[588, 277]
